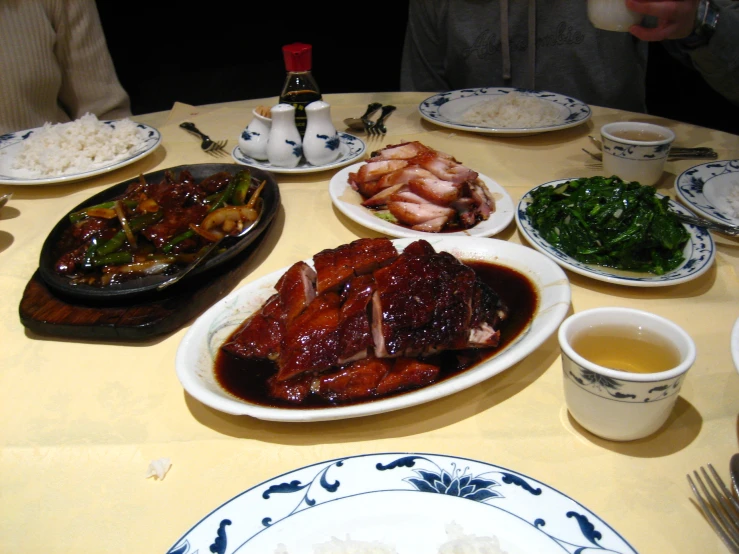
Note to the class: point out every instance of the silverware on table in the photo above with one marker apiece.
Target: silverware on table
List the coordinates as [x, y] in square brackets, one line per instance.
[718, 505]
[692, 154]
[209, 145]
[731, 230]
[378, 128]
[363, 122]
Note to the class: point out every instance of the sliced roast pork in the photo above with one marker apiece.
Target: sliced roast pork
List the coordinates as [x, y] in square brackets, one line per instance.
[447, 194]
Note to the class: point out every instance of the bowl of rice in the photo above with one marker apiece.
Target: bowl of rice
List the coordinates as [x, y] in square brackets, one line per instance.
[78, 149]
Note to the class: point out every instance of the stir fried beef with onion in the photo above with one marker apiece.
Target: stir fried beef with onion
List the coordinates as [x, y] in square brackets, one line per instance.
[156, 227]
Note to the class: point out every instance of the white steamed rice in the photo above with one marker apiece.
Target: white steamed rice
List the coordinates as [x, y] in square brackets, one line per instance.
[78, 146]
[514, 110]
[733, 199]
[458, 543]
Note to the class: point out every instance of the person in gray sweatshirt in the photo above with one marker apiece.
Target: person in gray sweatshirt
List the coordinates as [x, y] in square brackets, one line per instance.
[552, 46]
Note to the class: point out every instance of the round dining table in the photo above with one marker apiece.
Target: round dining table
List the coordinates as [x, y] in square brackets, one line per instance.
[85, 417]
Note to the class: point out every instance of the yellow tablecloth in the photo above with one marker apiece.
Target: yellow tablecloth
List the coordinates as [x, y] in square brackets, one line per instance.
[82, 420]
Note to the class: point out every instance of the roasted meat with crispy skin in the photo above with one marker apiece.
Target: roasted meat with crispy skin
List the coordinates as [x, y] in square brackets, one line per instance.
[368, 321]
[423, 188]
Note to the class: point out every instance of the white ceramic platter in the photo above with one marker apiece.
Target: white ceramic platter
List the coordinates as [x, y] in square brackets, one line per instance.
[405, 500]
[707, 188]
[735, 344]
[448, 108]
[352, 148]
[699, 252]
[348, 201]
[197, 352]
[12, 143]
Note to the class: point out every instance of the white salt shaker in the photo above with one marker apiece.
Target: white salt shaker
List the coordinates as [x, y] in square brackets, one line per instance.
[321, 142]
[253, 139]
[284, 147]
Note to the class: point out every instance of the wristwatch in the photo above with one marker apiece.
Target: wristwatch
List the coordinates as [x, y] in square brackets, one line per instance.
[706, 19]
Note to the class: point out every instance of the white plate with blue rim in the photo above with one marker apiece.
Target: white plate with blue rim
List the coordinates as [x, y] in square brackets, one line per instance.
[699, 252]
[198, 351]
[11, 145]
[412, 502]
[351, 149]
[448, 109]
[711, 190]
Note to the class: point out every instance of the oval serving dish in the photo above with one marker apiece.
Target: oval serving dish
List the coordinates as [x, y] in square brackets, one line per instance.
[146, 285]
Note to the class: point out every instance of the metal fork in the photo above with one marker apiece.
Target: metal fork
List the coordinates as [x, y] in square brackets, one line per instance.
[216, 148]
[718, 505]
[378, 128]
[731, 230]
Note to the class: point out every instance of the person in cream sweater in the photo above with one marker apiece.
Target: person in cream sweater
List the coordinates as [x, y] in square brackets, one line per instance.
[55, 65]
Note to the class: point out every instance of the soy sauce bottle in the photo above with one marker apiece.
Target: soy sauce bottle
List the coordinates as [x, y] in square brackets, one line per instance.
[300, 88]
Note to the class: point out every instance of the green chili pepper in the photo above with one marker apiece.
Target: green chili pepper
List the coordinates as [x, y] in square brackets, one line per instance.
[89, 253]
[167, 248]
[78, 216]
[243, 183]
[115, 258]
[136, 224]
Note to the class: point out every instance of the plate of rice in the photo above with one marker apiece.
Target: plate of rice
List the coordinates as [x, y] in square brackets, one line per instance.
[401, 503]
[504, 111]
[63, 152]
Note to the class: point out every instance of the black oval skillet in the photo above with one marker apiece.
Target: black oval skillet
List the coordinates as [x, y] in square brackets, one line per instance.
[146, 284]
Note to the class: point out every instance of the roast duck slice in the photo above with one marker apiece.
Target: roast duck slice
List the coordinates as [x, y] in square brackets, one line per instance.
[423, 188]
[368, 320]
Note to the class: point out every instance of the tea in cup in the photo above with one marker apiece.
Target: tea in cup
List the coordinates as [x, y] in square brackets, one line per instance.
[622, 370]
[635, 151]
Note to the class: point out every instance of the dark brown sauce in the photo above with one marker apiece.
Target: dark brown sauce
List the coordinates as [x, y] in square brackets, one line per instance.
[246, 379]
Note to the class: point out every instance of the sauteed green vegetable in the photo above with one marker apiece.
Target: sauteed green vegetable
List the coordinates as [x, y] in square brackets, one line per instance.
[610, 222]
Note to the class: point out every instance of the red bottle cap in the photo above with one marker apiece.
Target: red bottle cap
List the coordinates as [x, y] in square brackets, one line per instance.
[297, 56]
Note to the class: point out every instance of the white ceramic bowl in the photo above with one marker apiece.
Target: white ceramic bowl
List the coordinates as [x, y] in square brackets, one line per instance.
[619, 405]
[635, 151]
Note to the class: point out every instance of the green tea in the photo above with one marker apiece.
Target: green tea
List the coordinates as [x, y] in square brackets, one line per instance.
[626, 349]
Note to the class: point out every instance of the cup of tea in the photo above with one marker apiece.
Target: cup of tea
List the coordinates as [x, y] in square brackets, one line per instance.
[623, 369]
[635, 151]
[612, 15]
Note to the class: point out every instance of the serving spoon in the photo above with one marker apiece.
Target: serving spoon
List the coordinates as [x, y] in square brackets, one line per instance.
[213, 246]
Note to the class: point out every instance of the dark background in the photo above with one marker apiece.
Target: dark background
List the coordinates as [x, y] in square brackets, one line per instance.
[202, 56]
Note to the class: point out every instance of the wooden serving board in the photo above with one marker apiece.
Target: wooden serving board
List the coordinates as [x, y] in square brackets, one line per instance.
[47, 313]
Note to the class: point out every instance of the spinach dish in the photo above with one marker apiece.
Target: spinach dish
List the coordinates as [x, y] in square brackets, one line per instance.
[610, 222]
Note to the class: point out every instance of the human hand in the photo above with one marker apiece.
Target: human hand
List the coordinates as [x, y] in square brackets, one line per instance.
[675, 18]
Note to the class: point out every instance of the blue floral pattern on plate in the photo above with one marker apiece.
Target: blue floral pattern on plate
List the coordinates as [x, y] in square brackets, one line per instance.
[11, 143]
[705, 187]
[370, 495]
[699, 252]
[447, 108]
[352, 148]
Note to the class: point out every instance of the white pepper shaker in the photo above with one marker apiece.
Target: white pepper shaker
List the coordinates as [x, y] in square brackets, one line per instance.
[321, 142]
[285, 147]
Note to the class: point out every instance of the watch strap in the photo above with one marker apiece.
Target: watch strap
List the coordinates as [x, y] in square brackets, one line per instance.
[706, 19]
